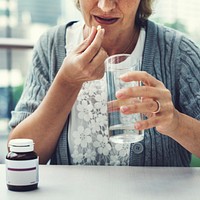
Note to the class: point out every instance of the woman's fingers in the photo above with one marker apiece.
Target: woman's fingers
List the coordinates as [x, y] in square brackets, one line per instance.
[144, 106]
[98, 64]
[95, 46]
[142, 76]
[151, 87]
[141, 91]
[91, 46]
[156, 102]
[85, 44]
[163, 122]
[117, 104]
[148, 123]
[132, 105]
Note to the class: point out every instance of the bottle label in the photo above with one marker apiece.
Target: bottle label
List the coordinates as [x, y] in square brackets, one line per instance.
[22, 172]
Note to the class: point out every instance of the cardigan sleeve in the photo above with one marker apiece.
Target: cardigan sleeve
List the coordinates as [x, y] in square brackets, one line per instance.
[48, 56]
[36, 85]
[189, 81]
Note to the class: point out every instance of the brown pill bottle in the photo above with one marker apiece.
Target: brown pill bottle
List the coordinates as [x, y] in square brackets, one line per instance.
[22, 166]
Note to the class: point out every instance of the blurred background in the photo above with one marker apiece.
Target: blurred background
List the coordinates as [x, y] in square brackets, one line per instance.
[23, 21]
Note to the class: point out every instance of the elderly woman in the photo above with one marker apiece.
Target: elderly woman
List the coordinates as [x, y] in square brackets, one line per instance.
[63, 105]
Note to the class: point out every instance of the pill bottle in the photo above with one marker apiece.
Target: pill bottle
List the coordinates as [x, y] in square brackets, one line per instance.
[22, 165]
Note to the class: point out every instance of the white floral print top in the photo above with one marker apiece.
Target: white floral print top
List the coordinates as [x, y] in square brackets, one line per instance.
[88, 134]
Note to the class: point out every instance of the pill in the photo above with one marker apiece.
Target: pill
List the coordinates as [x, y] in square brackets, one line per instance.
[98, 27]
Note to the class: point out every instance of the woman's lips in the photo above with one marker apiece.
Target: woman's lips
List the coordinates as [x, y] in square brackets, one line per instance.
[105, 20]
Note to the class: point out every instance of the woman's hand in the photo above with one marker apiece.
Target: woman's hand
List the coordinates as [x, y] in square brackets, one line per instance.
[86, 62]
[152, 93]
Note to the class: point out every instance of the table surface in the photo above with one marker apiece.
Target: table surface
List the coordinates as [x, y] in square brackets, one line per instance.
[109, 183]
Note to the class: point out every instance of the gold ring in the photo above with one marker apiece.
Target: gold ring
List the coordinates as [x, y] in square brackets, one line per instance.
[158, 109]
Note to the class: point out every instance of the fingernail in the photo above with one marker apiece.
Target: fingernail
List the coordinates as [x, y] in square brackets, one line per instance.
[119, 94]
[98, 27]
[123, 76]
[137, 126]
[124, 108]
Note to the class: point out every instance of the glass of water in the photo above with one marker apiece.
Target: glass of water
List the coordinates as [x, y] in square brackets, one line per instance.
[121, 126]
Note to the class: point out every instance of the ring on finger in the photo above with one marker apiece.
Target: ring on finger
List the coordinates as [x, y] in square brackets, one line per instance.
[158, 107]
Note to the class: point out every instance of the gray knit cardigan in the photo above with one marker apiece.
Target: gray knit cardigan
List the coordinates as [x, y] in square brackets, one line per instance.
[168, 55]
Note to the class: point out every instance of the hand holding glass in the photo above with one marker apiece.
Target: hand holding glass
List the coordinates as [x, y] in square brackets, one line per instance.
[121, 126]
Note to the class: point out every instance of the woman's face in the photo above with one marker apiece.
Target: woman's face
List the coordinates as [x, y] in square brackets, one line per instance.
[114, 16]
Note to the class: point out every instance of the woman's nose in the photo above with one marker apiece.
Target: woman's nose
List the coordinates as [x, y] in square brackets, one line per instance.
[107, 5]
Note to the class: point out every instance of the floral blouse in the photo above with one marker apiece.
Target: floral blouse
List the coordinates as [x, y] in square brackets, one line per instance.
[88, 125]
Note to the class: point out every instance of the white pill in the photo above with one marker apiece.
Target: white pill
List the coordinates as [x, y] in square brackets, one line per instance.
[98, 27]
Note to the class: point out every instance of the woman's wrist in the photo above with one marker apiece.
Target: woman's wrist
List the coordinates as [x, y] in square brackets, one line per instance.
[67, 82]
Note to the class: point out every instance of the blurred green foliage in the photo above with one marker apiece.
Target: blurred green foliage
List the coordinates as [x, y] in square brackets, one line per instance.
[178, 25]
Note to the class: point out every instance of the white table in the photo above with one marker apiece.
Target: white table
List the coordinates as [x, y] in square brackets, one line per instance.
[109, 183]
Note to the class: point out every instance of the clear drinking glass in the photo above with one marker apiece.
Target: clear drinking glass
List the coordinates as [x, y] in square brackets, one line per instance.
[121, 126]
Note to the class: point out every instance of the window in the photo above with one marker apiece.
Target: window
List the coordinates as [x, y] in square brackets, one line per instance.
[182, 15]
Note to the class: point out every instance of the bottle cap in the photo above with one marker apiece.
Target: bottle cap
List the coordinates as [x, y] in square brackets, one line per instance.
[21, 145]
